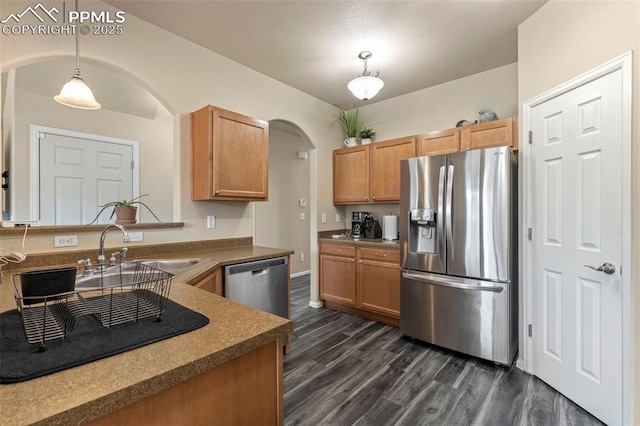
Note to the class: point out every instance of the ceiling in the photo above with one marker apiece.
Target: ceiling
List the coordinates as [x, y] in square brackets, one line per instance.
[314, 45]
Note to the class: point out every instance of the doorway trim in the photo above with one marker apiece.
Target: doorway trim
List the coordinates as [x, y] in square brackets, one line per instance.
[34, 160]
[623, 63]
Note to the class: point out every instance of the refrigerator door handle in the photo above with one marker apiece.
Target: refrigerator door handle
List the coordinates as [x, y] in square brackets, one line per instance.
[440, 217]
[446, 283]
[449, 211]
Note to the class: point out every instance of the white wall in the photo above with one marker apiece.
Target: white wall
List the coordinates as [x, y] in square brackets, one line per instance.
[562, 40]
[278, 222]
[155, 138]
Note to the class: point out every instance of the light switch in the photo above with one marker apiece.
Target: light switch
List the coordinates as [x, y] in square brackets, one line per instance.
[324, 218]
[302, 216]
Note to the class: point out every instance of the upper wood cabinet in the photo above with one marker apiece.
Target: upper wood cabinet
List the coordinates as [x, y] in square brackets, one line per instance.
[370, 173]
[492, 133]
[351, 175]
[439, 142]
[229, 156]
[385, 167]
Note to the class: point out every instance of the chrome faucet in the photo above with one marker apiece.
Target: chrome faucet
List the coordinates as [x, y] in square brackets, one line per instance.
[102, 260]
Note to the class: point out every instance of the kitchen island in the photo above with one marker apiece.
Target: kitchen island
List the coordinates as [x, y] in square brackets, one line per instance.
[227, 372]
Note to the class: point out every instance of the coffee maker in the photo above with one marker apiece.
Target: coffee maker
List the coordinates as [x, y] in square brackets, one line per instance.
[357, 224]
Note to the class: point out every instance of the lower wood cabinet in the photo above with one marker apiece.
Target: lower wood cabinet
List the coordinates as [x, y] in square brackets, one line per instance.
[212, 283]
[363, 281]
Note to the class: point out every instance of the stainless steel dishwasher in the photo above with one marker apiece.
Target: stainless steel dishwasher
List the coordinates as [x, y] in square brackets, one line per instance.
[263, 284]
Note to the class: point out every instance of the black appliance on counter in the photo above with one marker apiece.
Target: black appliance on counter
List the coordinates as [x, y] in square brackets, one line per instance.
[371, 227]
[357, 224]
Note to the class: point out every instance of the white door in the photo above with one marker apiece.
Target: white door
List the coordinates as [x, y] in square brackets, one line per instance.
[77, 175]
[577, 221]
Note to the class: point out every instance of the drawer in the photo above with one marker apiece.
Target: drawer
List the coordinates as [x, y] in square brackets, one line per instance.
[338, 250]
[384, 254]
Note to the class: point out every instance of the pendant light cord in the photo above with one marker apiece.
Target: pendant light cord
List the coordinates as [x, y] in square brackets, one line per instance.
[77, 43]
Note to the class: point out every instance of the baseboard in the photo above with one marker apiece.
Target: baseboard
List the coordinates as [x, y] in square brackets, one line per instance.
[315, 305]
[299, 274]
[520, 364]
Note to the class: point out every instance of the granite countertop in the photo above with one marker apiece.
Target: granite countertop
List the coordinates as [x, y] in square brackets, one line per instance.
[89, 391]
[327, 237]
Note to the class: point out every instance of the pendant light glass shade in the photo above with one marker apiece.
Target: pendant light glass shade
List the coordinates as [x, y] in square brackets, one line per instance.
[76, 94]
[365, 86]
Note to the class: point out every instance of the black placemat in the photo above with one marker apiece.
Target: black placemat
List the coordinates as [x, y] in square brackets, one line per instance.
[88, 341]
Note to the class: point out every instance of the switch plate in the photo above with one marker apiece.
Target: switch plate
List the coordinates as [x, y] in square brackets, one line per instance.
[301, 257]
[211, 222]
[65, 241]
[337, 217]
[302, 216]
[135, 237]
[324, 218]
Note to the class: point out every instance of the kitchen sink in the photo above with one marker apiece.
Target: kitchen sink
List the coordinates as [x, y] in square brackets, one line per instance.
[113, 275]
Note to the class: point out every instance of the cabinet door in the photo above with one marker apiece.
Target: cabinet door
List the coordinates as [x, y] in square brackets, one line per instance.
[379, 287]
[338, 279]
[489, 134]
[385, 167]
[440, 142]
[240, 156]
[212, 283]
[351, 175]
[229, 156]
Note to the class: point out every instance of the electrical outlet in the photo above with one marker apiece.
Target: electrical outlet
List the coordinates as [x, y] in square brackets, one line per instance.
[65, 241]
[211, 222]
[301, 257]
[302, 216]
[337, 217]
[302, 202]
[324, 218]
[135, 237]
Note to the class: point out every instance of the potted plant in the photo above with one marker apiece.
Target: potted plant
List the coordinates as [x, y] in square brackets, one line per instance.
[353, 123]
[124, 210]
[367, 135]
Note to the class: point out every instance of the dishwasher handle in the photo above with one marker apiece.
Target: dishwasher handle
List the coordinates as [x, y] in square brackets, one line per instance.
[259, 271]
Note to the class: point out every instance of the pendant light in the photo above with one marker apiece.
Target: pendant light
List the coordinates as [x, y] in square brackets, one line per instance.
[75, 93]
[365, 86]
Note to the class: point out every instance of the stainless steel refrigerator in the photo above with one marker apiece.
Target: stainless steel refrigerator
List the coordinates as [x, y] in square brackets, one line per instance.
[458, 220]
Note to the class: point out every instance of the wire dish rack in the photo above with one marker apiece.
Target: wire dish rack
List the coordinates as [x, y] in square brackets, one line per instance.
[117, 295]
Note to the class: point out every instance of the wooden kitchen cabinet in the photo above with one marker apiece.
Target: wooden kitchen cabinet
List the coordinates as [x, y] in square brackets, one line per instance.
[378, 286]
[385, 167]
[439, 142]
[229, 156]
[338, 273]
[351, 175]
[363, 281]
[212, 283]
[370, 173]
[490, 134]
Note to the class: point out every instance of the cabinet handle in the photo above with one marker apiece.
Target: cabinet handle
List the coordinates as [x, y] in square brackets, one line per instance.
[217, 192]
[381, 255]
[374, 197]
[366, 198]
[337, 251]
[360, 262]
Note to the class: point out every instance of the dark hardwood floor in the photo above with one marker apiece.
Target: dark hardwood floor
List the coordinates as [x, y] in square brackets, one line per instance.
[344, 370]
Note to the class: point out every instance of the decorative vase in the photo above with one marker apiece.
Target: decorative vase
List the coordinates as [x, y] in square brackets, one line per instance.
[351, 142]
[366, 141]
[125, 215]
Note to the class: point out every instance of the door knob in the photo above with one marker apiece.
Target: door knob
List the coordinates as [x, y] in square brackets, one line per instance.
[606, 267]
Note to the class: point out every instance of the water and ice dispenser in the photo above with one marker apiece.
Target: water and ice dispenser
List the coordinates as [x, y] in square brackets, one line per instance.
[422, 233]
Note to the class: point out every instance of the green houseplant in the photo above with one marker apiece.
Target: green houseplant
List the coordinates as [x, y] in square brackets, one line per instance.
[367, 135]
[353, 122]
[124, 210]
